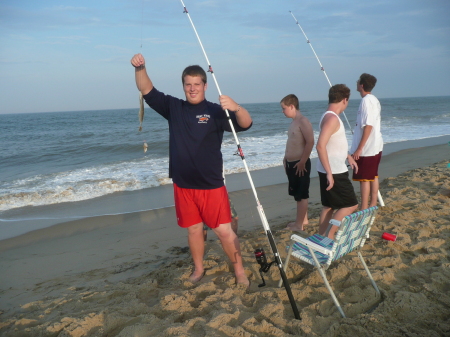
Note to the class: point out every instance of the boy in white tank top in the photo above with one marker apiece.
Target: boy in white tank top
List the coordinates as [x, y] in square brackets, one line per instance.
[336, 190]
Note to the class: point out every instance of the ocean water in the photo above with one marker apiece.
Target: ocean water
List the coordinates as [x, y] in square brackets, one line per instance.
[51, 158]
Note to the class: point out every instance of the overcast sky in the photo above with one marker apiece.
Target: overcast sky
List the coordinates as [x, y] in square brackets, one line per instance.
[75, 55]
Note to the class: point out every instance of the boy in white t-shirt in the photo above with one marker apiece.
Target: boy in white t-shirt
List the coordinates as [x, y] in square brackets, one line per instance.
[367, 144]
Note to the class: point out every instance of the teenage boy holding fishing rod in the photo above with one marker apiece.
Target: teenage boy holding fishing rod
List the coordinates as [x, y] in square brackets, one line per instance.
[336, 190]
[367, 143]
[196, 129]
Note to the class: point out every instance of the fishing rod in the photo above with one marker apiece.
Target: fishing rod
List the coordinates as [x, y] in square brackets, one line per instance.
[259, 206]
[380, 198]
[317, 57]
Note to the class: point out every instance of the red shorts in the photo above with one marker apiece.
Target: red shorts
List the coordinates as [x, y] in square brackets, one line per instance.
[211, 207]
[367, 168]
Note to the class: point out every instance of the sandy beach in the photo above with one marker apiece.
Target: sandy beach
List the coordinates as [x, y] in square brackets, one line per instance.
[127, 275]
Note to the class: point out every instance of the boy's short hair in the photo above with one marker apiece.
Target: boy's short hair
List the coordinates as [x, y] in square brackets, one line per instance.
[194, 70]
[367, 81]
[337, 93]
[291, 99]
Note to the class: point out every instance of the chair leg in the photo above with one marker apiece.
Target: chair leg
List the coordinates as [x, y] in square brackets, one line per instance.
[286, 262]
[324, 277]
[368, 273]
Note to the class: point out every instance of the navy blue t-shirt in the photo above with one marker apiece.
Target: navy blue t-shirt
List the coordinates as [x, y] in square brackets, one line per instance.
[195, 139]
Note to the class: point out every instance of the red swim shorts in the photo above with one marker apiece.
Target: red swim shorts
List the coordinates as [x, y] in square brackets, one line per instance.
[367, 168]
[192, 206]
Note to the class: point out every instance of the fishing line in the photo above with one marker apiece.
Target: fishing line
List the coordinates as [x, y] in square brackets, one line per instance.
[139, 81]
[142, 21]
[142, 28]
[380, 199]
[259, 206]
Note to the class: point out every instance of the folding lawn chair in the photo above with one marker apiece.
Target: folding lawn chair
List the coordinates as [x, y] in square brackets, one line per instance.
[320, 251]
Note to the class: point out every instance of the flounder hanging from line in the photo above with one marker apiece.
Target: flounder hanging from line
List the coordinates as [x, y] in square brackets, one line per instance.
[141, 110]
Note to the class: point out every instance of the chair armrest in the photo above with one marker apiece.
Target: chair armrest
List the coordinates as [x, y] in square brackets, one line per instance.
[313, 245]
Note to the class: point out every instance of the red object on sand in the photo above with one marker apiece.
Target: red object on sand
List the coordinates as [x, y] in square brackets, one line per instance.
[389, 236]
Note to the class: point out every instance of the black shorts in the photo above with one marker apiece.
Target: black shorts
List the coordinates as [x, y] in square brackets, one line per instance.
[342, 194]
[298, 186]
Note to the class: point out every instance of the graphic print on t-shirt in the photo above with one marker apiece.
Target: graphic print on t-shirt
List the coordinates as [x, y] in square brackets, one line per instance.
[203, 118]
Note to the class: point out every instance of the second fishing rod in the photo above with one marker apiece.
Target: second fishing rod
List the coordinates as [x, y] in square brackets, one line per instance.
[259, 207]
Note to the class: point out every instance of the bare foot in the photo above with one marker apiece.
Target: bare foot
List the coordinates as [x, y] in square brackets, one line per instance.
[294, 227]
[196, 276]
[242, 279]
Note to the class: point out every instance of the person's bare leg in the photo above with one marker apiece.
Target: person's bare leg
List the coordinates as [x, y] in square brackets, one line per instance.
[234, 224]
[302, 216]
[230, 244]
[197, 246]
[324, 219]
[365, 191]
[339, 215]
[374, 186]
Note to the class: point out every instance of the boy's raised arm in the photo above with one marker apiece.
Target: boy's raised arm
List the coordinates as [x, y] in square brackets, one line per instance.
[143, 82]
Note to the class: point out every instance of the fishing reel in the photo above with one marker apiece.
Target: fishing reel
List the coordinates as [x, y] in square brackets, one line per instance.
[260, 256]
